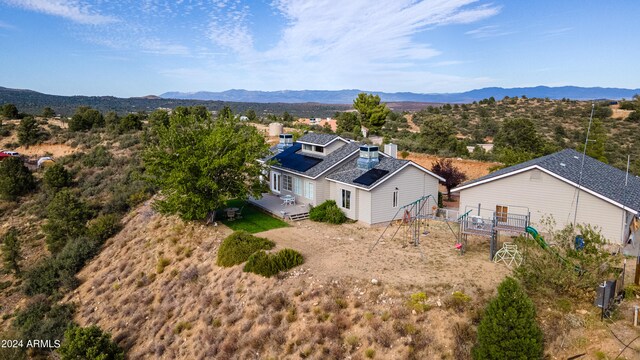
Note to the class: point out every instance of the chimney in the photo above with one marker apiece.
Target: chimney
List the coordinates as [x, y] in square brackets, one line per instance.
[286, 141]
[391, 150]
[368, 157]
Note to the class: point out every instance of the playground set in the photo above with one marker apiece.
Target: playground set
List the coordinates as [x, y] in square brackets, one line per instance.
[414, 222]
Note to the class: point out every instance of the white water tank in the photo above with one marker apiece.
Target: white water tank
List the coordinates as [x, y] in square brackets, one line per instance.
[391, 150]
[275, 129]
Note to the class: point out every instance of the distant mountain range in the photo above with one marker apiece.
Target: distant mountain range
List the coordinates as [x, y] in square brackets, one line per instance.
[347, 96]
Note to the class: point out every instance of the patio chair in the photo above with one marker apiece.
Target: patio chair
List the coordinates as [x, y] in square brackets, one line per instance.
[239, 212]
[231, 215]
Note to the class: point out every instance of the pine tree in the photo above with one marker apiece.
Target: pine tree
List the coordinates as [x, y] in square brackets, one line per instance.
[509, 329]
[11, 251]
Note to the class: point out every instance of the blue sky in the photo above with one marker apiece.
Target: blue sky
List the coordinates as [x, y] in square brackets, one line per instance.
[134, 48]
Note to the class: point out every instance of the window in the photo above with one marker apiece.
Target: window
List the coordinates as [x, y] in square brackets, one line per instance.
[275, 182]
[502, 213]
[287, 182]
[395, 198]
[297, 186]
[346, 199]
[319, 149]
[308, 190]
[307, 147]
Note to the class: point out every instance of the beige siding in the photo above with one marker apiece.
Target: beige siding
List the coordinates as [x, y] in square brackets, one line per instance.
[334, 146]
[545, 195]
[322, 191]
[411, 182]
[336, 194]
[364, 206]
[327, 149]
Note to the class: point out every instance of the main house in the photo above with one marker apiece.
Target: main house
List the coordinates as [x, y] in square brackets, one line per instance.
[555, 186]
[367, 184]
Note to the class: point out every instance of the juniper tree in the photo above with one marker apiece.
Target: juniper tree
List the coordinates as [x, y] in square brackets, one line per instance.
[509, 329]
[11, 255]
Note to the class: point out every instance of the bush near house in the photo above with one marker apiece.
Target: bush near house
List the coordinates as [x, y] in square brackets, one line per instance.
[268, 265]
[239, 246]
[328, 212]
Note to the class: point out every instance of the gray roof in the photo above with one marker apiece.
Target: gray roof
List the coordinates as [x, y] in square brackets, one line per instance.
[597, 176]
[327, 162]
[349, 171]
[318, 139]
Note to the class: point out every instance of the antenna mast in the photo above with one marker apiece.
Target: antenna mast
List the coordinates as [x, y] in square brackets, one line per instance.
[584, 153]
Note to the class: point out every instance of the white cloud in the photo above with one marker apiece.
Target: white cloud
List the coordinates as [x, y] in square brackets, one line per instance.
[328, 44]
[488, 32]
[73, 10]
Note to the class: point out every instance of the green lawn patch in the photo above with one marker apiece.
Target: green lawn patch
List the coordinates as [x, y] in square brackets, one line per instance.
[253, 220]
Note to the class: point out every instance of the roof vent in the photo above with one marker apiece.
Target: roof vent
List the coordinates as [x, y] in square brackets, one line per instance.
[575, 157]
[563, 164]
[286, 141]
[368, 157]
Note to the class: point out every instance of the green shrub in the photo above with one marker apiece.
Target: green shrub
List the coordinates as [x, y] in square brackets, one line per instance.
[59, 270]
[239, 246]
[67, 216]
[89, 343]
[509, 329]
[29, 131]
[370, 353]
[634, 116]
[56, 177]
[261, 263]
[163, 262]
[43, 320]
[328, 212]
[631, 292]
[418, 302]
[11, 254]
[44, 278]
[15, 179]
[98, 157]
[564, 269]
[104, 227]
[269, 265]
[458, 301]
[287, 259]
[86, 118]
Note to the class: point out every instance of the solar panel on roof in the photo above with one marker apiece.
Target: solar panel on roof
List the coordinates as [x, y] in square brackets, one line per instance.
[290, 159]
[370, 177]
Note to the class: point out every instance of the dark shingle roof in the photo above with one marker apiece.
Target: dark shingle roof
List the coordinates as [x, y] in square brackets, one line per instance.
[349, 171]
[318, 139]
[597, 176]
[326, 162]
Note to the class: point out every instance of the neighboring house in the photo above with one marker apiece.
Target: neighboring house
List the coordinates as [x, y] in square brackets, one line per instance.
[549, 186]
[485, 147]
[367, 184]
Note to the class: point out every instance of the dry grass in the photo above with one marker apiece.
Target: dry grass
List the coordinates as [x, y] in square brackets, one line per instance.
[204, 311]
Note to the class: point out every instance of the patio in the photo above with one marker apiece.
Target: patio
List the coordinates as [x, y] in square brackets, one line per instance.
[274, 205]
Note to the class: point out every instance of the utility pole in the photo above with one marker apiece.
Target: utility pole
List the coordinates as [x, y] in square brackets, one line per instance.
[584, 153]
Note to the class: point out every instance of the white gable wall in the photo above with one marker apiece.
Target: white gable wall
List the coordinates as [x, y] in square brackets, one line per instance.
[546, 195]
[412, 184]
